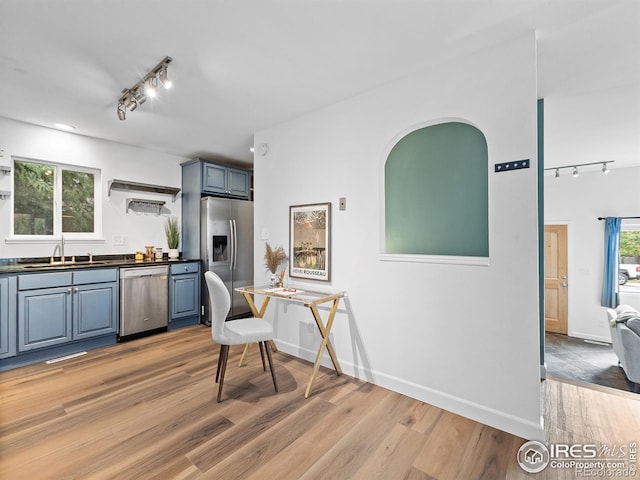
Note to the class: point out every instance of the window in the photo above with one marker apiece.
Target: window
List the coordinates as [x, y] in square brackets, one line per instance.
[52, 199]
[629, 268]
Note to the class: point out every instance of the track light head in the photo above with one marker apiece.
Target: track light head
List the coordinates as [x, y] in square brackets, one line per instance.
[575, 172]
[132, 103]
[140, 96]
[164, 78]
[557, 173]
[122, 111]
[605, 169]
[151, 87]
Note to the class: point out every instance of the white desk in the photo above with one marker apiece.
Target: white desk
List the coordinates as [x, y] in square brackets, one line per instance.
[309, 298]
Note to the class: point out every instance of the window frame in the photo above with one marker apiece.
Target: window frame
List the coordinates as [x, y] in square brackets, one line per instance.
[58, 167]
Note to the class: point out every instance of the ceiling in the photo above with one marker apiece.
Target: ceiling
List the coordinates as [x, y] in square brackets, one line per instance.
[242, 66]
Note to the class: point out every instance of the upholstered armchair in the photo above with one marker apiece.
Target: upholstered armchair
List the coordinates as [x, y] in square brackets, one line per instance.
[624, 323]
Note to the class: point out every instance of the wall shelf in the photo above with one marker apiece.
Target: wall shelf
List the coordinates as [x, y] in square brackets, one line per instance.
[142, 187]
[144, 205]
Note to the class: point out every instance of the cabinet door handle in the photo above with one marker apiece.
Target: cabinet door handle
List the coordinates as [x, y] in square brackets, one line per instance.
[76, 289]
[69, 291]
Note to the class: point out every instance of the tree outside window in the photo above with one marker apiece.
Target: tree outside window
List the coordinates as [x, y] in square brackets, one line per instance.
[52, 199]
[629, 250]
[33, 200]
[630, 245]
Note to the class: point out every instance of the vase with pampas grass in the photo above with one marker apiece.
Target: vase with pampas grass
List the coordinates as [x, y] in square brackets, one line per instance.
[273, 259]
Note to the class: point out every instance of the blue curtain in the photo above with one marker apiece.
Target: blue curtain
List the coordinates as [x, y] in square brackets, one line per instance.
[611, 254]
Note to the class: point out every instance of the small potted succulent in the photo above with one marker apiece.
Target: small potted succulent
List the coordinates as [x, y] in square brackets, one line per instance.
[172, 230]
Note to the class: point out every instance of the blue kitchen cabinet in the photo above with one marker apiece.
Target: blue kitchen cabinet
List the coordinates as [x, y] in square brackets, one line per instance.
[225, 181]
[7, 317]
[238, 183]
[58, 308]
[184, 294]
[44, 318]
[95, 303]
[95, 310]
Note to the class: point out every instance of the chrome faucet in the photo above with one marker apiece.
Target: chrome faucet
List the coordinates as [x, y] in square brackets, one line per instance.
[60, 249]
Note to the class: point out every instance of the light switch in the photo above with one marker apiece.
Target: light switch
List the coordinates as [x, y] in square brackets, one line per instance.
[343, 203]
[265, 233]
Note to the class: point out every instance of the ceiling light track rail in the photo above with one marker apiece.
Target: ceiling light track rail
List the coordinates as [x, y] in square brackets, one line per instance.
[135, 96]
[575, 172]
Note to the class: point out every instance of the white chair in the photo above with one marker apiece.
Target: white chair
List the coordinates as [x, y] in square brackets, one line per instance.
[234, 332]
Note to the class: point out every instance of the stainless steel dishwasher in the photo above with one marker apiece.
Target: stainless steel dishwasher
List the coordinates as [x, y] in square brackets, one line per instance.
[144, 301]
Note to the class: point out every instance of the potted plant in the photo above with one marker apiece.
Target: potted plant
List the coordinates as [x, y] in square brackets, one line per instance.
[172, 230]
[273, 258]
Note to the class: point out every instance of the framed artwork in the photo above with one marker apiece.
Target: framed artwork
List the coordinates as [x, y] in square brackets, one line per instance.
[309, 241]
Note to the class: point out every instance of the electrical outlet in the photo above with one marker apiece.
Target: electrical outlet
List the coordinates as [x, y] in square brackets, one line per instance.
[265, 233]
[120, 240]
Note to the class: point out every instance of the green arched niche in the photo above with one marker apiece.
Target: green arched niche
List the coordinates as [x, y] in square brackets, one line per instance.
[436, 192]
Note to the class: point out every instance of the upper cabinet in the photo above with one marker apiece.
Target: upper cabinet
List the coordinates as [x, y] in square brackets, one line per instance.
[225, 181]
[204, 178]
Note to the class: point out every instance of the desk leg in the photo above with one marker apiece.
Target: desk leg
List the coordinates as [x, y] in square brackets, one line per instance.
[324, 332]
[257, 314]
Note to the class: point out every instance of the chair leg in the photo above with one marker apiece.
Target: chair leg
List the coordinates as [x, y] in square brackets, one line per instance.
[224, 354]
[273, 373]
[219, 364]
[264, 365]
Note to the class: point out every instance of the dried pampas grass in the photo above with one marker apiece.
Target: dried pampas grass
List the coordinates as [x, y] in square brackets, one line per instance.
[274, 258]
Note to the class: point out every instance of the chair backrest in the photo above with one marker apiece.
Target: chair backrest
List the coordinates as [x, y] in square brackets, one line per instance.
[219, 303]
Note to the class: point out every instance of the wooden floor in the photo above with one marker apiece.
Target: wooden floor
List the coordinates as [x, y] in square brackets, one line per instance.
[146, 409]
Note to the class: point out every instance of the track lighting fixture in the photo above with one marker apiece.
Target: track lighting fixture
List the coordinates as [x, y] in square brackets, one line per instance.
[151, 88]
[575, 172]
[135, 96]
[122, 111]
[132, 103]
[164, 78]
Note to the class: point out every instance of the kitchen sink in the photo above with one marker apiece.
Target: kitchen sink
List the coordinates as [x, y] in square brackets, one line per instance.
[43, 266]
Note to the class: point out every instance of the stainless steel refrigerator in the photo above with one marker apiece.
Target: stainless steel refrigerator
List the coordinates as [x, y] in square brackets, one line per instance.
[226, 247]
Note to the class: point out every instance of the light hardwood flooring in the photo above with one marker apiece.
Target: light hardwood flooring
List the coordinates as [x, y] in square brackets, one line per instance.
[147, 409]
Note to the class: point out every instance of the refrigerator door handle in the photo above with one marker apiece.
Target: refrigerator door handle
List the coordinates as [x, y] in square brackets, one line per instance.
[232, 241]
[235, 244]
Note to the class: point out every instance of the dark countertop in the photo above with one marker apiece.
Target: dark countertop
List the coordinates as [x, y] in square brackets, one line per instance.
[41, 264]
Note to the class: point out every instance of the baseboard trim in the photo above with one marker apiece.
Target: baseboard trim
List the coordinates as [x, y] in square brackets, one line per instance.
[543, 371]
[529, 430]
[588, 336]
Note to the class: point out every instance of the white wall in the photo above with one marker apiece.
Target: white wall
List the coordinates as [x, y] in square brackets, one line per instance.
[578, 202]
[461, 337]
[115, 161]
